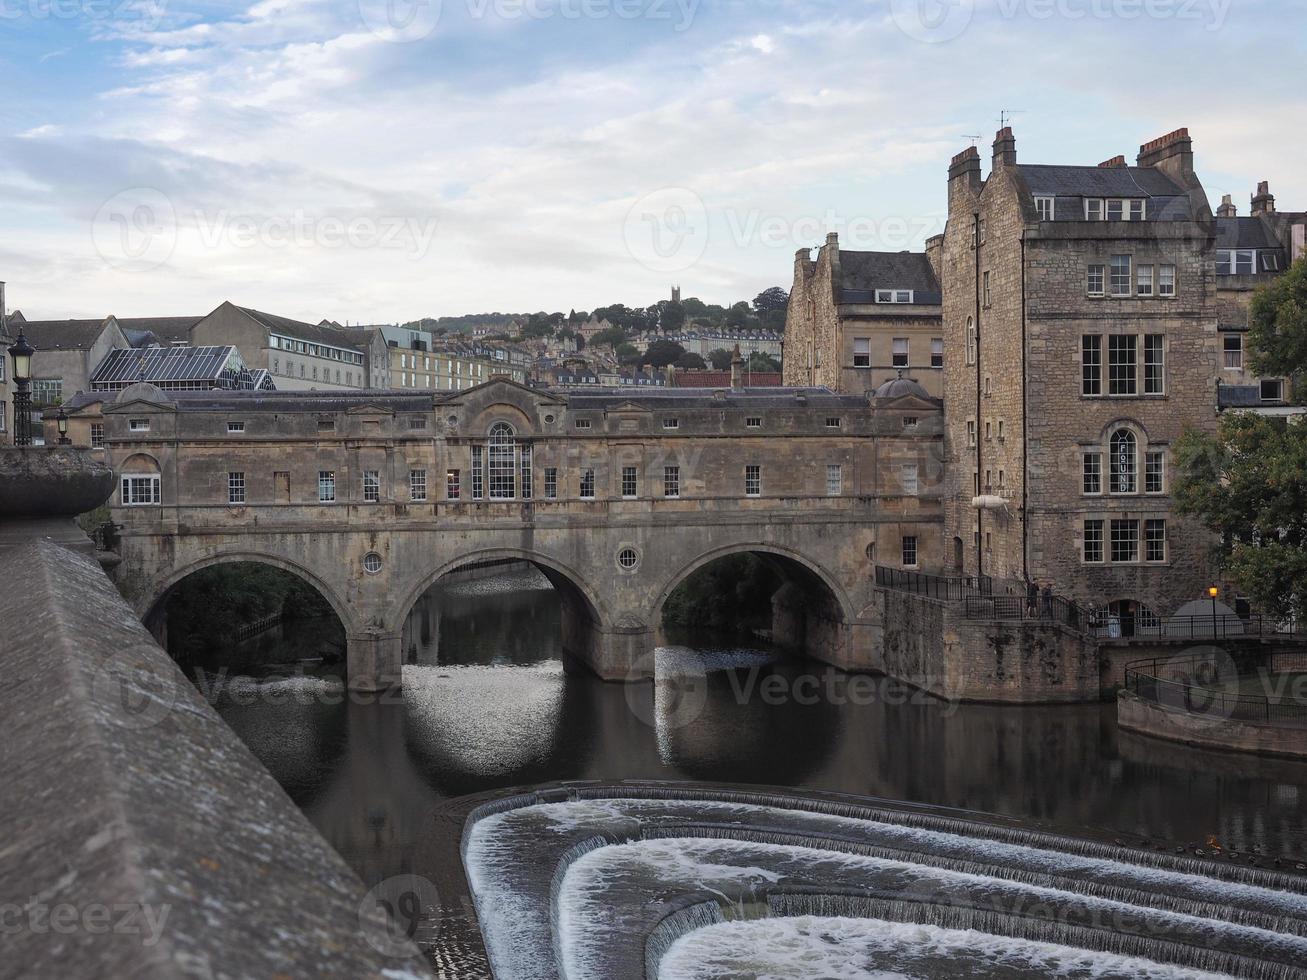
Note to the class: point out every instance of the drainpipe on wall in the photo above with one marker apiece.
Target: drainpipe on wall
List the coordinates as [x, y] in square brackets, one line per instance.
[980, 514]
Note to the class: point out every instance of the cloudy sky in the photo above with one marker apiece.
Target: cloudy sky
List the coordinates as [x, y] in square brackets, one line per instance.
[381, 160]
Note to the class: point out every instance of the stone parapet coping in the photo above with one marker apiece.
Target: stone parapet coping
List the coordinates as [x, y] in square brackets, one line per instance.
[142, 838]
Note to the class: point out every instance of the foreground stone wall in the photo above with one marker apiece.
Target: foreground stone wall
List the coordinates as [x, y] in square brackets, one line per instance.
[142, 838]
[932, 645]
[1137, 715]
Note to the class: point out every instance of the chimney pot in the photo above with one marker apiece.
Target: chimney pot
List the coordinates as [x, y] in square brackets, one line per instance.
[1169, 147]
[1264, 200]
[1116, 161]
[1227, 208]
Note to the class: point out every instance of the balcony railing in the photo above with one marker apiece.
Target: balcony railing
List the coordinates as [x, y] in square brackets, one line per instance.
[1219, 626]
[933, 586]
[1212, 687]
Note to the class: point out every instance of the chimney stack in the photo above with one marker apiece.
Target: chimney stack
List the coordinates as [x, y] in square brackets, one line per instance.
[1227, 208]
[1005, 148]
[1116, 161]
[1264, 200]
[737, 370]
[1173, 152]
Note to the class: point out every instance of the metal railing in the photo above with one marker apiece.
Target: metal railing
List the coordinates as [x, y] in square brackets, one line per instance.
[933, 586]
[1212, 687]
[1221, 626]
[1054, 609]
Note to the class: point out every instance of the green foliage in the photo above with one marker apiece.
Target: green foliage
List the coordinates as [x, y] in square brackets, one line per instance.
[691, 362]
[770, 305]
[1249, 486]
[206, 608]
[1278, 328]
[612, 337]
[673, 317]
[628, 354]
[761, 362]
[732, 593]
[662, 353]
[720, 358]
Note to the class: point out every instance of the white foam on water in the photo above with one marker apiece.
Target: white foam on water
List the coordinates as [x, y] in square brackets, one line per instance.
[874, 949]
[692, 662]
[492, 720]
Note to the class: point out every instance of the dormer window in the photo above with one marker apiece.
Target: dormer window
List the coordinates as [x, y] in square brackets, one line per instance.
[1093, 209]
[1044, 205]
[1236, 262]
[1115, 209]
[139, 425]
[894, 295]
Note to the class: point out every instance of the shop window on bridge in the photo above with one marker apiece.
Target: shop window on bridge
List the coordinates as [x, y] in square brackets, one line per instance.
[139, 485]
[326, 486]
[453, 484]
[588, 485]
[551, 483]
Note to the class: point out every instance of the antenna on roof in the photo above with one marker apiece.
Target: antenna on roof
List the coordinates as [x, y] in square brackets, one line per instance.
[974, 139]
[1005, 116]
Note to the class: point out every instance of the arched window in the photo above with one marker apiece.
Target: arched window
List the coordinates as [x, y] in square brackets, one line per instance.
[1124, 462]
[503, 462]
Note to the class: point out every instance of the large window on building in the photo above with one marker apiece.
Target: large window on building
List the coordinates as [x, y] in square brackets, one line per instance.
[326, 486]
[1093, 542]
[235, 488]
[1122, 361]
[453, 484]
[908, 476]
[630, 483]
[910, 551]
[862, 352]
[1092, 481]
[1096, 281]
[834, 479]
[753, 480]
[1155, 472]
[478, 472]
[1125, 541]
[503, 462]
[1155, 540]
[1120, 280]
[587, 484]
[1154, 364]
[417, 486]
[1233, 352]
[671, 481]
[1124, 462]
[937, 352]
[97, 432]
[140, 490]
[1166, 280]
[551, 483]
[1091, 364]
[371, 486]
[900, 352]
[971, 340]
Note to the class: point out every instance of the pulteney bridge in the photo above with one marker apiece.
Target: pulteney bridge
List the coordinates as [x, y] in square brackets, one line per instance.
[616, 497]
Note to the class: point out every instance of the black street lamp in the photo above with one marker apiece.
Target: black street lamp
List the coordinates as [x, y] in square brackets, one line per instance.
[22, 353]
[1213, 592]
[62, 421]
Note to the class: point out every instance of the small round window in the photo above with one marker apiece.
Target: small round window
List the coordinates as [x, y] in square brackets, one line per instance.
[549, 420]
[628, 558]
[452, 421]
[372, 563]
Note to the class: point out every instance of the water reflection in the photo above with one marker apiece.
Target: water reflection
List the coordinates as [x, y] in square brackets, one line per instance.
[488, 704]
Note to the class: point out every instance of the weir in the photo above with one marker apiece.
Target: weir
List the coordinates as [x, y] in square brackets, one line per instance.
[601, 881]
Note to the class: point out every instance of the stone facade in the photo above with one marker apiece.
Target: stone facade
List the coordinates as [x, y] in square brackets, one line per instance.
[1028, 259]
[373, 497]
[858, 319]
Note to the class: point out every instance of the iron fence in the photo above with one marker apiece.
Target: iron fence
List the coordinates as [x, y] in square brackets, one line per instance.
[1220, 626]
[1213, 687]
[1054, 609]
[934, 586]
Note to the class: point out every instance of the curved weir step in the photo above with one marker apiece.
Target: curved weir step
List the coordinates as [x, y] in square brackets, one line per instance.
[601, 881]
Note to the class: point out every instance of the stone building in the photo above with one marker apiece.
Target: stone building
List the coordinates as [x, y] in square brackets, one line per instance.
[858, 319]
[1080, 311]
[1252, 250]
[299, 356]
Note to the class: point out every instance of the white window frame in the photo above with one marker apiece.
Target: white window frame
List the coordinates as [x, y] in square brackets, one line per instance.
[901, 355]
[236, 487]
[1237, 351]
[129, 486]
[1138, 209]
[753, 480]
[909, 479]
[753, 422]
[138, 425]
[1144, 280]
[834, 480]
[236, 428]
[417, 486]
[909, 551]
[630, 483]
[937, 352]
[97, 431]
[1096, 279]
[972, 341]
[326, 486]
[862, 352]
[1094, 209]
[671, 482]
[372, 486]
[1114, 278]
[1166, 281]
[1046, 205]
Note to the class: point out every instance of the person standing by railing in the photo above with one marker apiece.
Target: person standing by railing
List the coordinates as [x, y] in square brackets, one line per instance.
[1046, 606]
[1032, 598]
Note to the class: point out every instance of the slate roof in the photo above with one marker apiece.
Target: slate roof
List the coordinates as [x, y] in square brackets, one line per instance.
[298, 401]
[63, 334]
[864, 272]
[1244, 232]
[722, 379]
[310, 332]
[663, 398]
[166, 329]
[1071, 181]
[1071, 184]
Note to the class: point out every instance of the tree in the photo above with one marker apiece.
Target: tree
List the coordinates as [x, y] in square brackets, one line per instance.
[1277, 332]
[691, 362]
[628, 353]
[673, 317]
[738, 315]
[1246, 482]
[721, 359]
[764, 363]
[773, 300]
[610, 337]
[663, 352]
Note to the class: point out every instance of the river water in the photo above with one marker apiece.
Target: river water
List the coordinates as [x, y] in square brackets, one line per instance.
[488, 704]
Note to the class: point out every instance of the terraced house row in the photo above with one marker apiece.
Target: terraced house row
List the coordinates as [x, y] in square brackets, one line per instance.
[1076, 320]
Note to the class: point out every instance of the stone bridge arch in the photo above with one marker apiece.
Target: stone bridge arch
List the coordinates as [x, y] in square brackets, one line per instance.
[812, 613]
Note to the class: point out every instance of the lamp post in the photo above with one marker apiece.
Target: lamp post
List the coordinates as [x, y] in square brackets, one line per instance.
[1213, 592]
[62, 421]
[22, 353]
